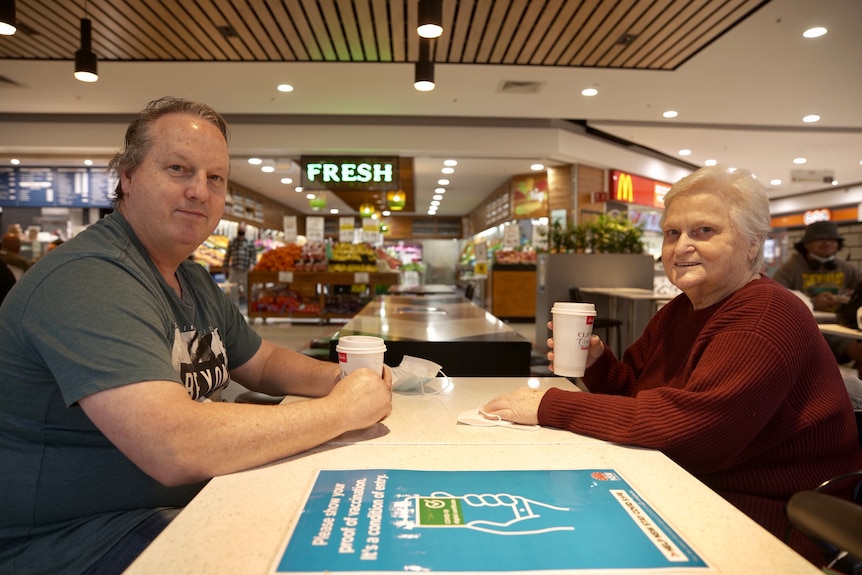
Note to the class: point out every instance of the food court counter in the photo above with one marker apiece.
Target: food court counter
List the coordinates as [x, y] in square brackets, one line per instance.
[239, 523]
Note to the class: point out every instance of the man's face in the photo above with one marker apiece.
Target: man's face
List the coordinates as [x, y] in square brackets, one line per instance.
[823, 248]
[175, 198]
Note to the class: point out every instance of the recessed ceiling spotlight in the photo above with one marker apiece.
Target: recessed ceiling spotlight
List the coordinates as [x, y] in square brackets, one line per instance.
[267, 168]
[811, 118]
[815, 32]
[452, 163]
[437, 197]
[284, 88]
[442, 182]
[386, 213]
[684, 152]
[443, 190]
[310, 196]
[16, 161]
[799, 161]
[537, 167]
[589, 92]
[435, 203]
[710, 162]
[286, 181]
[834, 182]
[775, 182]
[670, 114]
[298, 189]
[333, 210]
[88, 162]
[255, 161]
[448, 170]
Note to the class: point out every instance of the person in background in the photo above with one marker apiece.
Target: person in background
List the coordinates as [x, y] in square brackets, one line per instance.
[10, 254]
[239, 258]
[814, 270]
[7, 280]
[731, 379]
[110, 350]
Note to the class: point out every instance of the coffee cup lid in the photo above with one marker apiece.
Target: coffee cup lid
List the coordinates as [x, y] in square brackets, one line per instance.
[565, 307]
[361, 343]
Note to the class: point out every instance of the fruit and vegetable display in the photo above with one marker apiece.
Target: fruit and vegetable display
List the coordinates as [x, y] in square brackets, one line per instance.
[211, 253]
[312, 258]
[283, 300]
[525, 255]
[347, 257]
[282, 258]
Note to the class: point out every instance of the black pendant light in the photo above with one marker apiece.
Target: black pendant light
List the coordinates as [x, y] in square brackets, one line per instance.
[424, 73]
[430, 21]
[86, 62]
[7, 17]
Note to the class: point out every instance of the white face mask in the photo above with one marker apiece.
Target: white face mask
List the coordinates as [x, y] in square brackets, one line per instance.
[413, 372]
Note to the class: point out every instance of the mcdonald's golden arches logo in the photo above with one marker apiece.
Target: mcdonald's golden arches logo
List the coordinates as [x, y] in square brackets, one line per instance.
[625, 188]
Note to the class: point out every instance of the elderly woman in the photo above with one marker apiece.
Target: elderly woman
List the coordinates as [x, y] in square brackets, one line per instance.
[731, 379]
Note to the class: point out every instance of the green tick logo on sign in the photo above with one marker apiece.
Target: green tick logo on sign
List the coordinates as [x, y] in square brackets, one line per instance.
[439, 512]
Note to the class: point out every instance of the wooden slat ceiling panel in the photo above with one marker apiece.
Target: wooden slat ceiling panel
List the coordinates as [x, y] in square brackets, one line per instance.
[634, 34]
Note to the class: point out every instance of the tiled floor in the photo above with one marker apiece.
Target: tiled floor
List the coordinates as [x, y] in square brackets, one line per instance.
[297, 335]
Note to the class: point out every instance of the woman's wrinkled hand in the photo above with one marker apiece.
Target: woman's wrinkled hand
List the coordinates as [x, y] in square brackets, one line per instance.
[519, 406]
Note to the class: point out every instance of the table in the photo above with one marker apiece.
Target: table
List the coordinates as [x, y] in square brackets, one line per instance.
[239, 522]
[430, 289]
[633, 295]
[824, 316]
[449, 330]
[431, 416]
[837, 329]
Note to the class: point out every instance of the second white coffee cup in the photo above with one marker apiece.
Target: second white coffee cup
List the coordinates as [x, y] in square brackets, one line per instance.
[355, 351]
[573, 326]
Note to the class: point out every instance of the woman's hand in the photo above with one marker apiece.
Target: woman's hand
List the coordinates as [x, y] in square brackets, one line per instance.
[519, 406]
[597, 348]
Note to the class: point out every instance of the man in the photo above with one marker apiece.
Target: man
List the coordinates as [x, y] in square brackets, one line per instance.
[238, 260]
[110, 348]
[815, 271]
[10, 254]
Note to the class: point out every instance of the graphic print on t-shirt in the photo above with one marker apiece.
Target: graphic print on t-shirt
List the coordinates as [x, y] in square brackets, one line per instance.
[201, 361]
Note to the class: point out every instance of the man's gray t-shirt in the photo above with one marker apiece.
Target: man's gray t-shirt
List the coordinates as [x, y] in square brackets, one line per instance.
[92, 315]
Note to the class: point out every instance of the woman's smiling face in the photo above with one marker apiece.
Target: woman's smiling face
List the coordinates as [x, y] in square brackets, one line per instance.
[703, 253]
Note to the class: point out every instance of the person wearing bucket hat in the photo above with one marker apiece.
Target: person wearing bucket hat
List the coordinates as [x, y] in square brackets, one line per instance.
[815, 270]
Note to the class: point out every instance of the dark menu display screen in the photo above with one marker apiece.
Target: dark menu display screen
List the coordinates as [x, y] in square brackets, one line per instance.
[42, 187]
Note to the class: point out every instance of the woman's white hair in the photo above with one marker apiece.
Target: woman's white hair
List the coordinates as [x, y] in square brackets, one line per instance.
[745, 198]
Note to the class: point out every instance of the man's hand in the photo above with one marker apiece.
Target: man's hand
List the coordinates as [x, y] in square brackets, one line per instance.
[364, 397]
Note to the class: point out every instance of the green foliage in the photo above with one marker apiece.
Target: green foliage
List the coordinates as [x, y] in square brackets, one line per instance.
[605, 235]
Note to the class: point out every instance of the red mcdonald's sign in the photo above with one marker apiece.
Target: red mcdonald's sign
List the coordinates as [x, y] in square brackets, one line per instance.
[632, 189]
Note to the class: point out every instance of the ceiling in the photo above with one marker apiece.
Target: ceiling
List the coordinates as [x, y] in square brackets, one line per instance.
[509, 75]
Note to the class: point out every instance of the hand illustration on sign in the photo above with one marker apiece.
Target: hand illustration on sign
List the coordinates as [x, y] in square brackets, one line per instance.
[500, 513]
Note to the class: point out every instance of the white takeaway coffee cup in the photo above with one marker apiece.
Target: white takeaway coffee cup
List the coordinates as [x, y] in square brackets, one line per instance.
[573, 326]
[355, 351]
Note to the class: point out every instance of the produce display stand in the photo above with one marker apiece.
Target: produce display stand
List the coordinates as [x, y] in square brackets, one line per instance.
[312, 295]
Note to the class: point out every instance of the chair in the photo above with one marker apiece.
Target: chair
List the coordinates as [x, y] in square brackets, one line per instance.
[469, 291]
[833, 523]
[604, 323]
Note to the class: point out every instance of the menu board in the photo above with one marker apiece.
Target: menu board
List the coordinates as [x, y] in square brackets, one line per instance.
[387, 521]
[63, 187]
